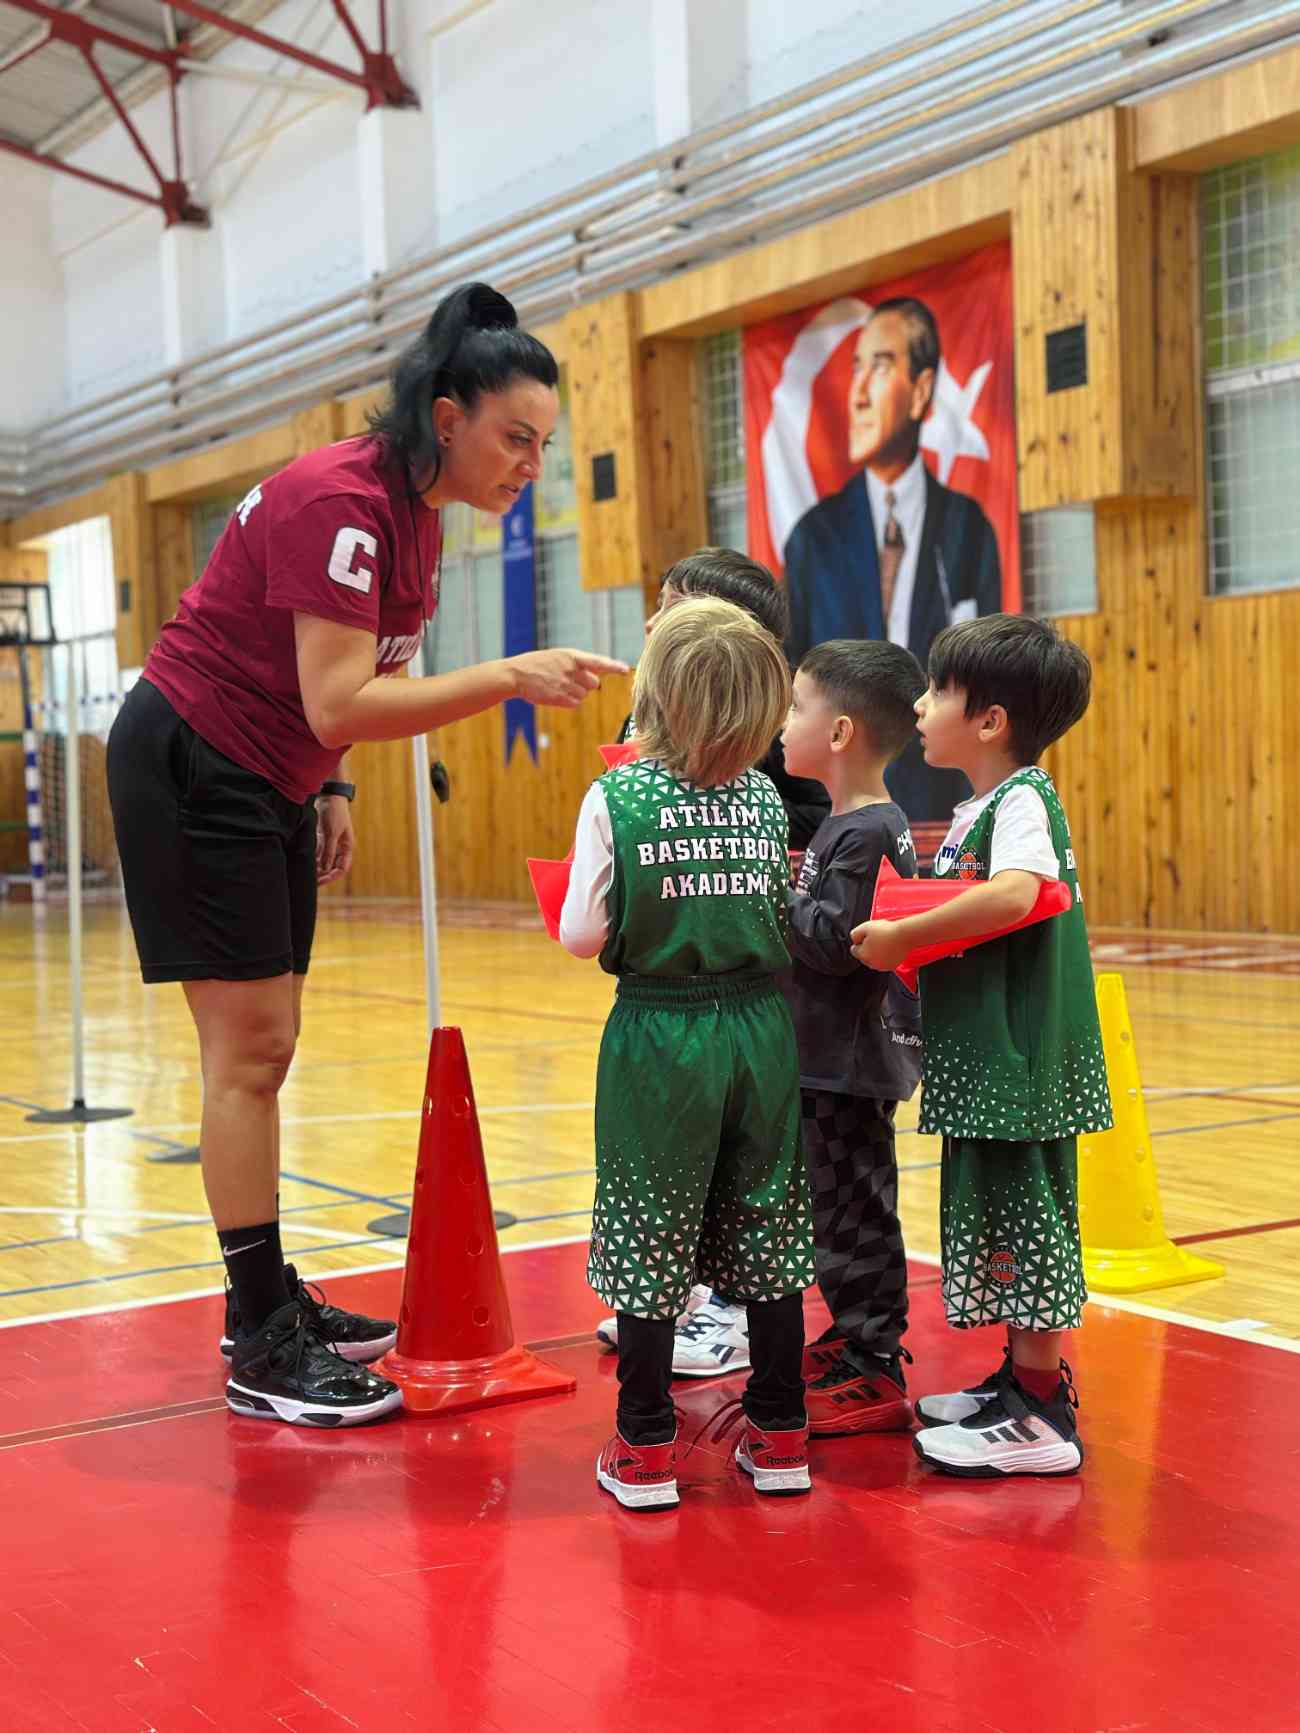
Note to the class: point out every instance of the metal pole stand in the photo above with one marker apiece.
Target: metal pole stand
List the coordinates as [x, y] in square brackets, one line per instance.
[397, 1225]
[78, 1113]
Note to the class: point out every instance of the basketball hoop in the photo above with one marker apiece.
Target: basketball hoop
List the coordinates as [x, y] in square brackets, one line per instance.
[25, 615]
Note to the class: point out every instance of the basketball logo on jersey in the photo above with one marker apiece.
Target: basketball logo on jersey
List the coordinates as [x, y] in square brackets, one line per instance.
[1002, 1267]
[968, 864]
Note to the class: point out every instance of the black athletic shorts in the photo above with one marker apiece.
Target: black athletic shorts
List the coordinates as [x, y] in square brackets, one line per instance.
[219, 867]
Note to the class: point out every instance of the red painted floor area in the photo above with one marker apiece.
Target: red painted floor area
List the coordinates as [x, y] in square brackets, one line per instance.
[166, 1566]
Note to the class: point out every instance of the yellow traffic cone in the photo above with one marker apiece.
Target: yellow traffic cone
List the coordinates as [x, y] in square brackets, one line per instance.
[1125, 1247]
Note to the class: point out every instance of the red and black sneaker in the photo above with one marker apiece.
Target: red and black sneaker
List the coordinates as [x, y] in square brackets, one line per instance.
[777, 1462]
[844, 1402]
[821, 1355]
[640, 1476]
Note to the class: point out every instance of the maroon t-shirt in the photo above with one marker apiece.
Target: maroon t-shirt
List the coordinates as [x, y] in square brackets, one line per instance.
[336, 534]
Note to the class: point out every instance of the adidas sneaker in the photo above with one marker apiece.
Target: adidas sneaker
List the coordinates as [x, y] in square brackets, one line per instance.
[1013, 1433]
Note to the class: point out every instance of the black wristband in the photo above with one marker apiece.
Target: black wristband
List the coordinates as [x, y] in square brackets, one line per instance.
[347, 789]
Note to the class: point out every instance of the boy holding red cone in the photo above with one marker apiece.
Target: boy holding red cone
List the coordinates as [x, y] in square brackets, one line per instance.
[1014, 1068]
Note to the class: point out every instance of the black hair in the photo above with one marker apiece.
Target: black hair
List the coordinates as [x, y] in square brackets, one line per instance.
[733, 577]
[1040, 679]
[874, 682]
[923, 351]
[472, 344]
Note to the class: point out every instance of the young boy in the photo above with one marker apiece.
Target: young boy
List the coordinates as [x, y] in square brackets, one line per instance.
[678, 883]
[858, 1034]
[1014, 1069]
[712, 1335]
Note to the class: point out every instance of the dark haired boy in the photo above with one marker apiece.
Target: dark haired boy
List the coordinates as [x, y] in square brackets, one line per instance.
[1014, 1069]
[858, 1034]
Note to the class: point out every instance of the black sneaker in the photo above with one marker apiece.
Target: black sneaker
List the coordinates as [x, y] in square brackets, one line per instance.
[964, 1404]
[349, 1333]
[285, 1372]
[1014, 1433]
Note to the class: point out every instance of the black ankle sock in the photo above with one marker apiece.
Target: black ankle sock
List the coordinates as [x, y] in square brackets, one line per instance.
[255, 1267]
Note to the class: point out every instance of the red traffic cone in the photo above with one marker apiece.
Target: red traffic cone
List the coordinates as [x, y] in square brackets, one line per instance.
[455, 1342]
[627, 753]
[896, 898]
[550, 887]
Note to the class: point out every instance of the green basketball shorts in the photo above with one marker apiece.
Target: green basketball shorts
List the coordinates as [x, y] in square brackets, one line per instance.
[1009, 1220]
[699, 1167]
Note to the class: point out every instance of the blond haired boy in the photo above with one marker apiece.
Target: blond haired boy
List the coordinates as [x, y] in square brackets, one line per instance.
[678, 885]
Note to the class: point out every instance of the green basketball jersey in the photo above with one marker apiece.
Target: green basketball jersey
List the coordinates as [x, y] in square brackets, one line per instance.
[1012, 1041]
[699, 874]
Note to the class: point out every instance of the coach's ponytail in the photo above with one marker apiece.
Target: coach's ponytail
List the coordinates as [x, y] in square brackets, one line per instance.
[471, 344]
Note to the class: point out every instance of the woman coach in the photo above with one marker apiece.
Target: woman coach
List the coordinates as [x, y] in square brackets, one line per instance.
[321, 585]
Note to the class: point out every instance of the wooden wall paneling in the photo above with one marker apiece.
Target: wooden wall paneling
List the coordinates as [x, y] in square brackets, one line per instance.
[606, 410]
[384, 818]
[23, 565]
[1263, 721]
[173, 540]
[944, 219]
[1232, 861]
[224, 469]
[1158, 302]
[134, 574]
[1243, 111]
[674, 434]
[354, 411]
[1193, 724]
[1065, 266]
[322, 424]
[1096, 244]
[32, 526]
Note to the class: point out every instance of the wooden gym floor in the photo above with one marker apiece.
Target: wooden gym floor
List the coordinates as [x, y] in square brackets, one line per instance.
[113, 1213]
[171, 1568]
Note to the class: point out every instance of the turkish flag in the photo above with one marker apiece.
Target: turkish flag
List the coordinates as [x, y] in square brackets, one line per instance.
[797, 374]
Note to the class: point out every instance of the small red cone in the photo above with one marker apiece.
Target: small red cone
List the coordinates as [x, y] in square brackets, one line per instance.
[550, 887]
[455, 1341]
[614, 756]
[896, 898]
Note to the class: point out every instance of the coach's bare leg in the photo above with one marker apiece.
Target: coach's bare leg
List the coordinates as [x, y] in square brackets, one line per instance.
[247, 1034]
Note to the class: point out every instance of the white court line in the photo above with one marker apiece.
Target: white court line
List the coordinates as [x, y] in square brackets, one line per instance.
[160, 1215]
[1208, 1326]
[137, 1131]
[215, 1293]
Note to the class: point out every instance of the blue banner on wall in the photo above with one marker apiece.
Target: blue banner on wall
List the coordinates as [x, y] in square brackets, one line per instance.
[519, 575]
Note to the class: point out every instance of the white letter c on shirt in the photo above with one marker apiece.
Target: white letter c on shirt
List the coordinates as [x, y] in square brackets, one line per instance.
[341, 568]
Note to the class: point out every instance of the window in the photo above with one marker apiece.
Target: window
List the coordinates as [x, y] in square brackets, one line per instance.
[1250, 234]
[1058, 561]
[724, 441]
[207, 525]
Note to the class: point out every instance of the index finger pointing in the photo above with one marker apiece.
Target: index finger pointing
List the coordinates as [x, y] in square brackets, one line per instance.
[599, 664]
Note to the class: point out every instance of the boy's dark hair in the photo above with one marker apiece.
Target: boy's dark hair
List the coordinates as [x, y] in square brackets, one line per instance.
[873, 681]
[472, 344]
[1041, 679]
[733, 577]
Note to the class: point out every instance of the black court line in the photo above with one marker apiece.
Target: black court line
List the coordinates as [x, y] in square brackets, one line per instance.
[298, 1255]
